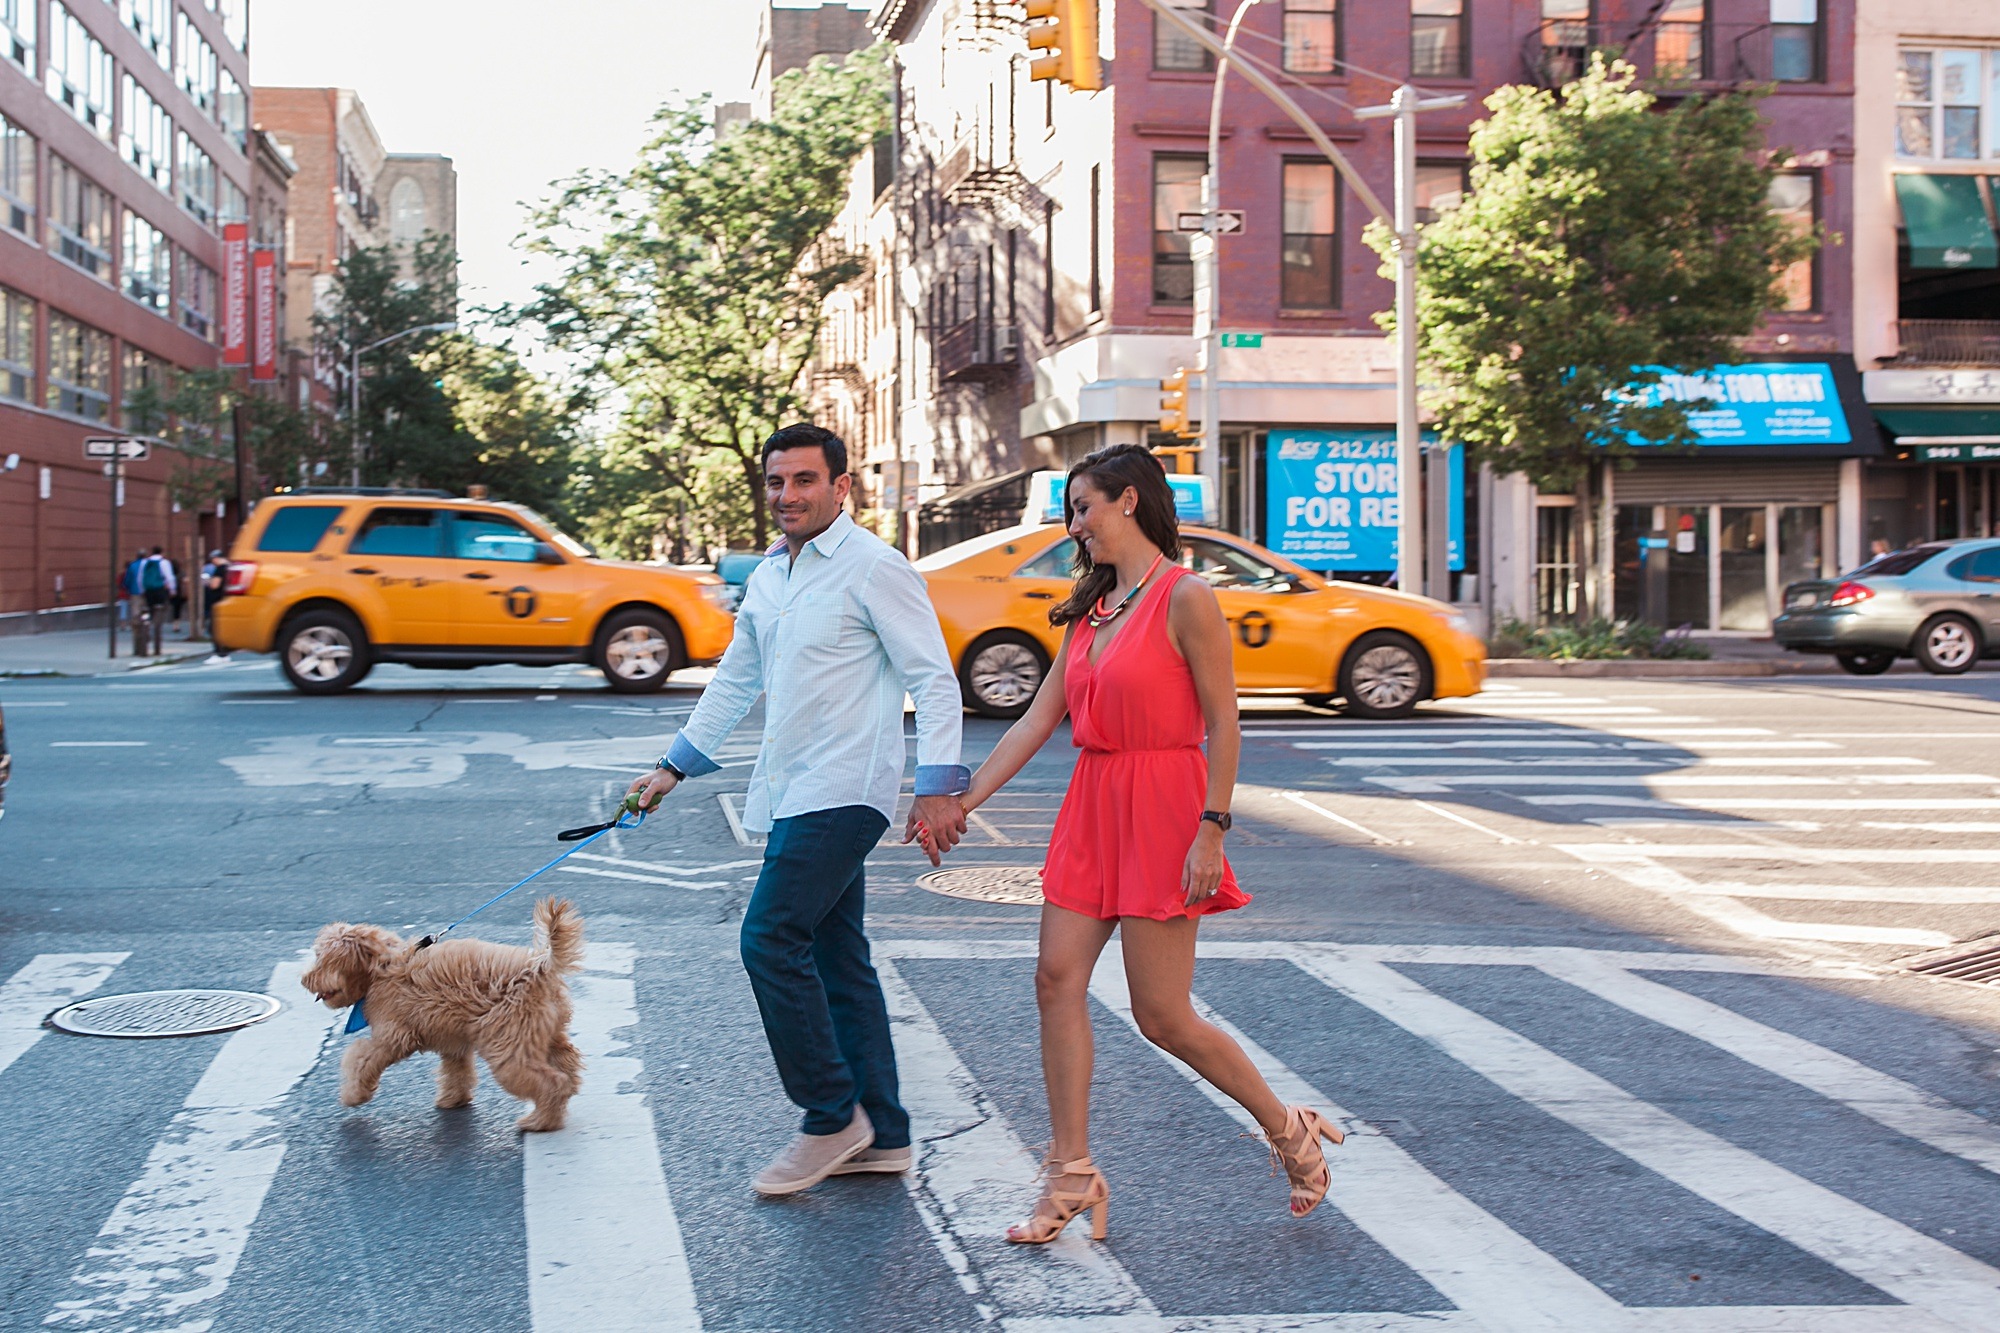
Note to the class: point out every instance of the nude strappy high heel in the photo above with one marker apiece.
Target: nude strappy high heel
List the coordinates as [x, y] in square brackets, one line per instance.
[1299, 1155]
[1095, 1196]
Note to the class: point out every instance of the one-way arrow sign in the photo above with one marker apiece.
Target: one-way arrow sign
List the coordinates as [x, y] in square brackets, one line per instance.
[1227, 220]
[115, 446]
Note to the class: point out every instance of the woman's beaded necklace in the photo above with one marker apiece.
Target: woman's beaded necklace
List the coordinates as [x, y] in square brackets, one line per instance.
[1099, 617]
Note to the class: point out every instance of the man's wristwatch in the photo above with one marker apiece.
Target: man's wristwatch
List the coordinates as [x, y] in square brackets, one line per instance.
[1219, 818]
[678, 775]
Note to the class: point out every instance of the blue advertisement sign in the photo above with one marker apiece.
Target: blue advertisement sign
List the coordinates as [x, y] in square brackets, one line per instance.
[1761, 403]
[1333, 498]
[1194, 498]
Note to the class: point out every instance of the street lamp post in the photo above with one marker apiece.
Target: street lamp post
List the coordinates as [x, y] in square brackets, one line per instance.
[354, 390]
[1208, 269]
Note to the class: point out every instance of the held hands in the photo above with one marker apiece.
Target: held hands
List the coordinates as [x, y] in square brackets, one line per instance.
[646, 793]
[1201, 876]
[938, 822]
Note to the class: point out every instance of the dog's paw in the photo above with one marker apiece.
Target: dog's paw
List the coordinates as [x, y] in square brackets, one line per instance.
[449, 1101]
[353, 1095]
[540, 1122]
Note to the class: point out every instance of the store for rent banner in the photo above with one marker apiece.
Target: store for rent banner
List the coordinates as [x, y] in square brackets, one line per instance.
[1333, 499]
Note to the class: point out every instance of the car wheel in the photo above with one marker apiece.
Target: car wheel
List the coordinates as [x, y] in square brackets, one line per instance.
[1001, 673]
[638, 650]
[1947, 646]
[1384, 675]
[323, 652]
[1865, 664]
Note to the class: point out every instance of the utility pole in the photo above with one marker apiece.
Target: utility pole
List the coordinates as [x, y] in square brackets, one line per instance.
[1410, 515]
[115, 470]
[1208, 273]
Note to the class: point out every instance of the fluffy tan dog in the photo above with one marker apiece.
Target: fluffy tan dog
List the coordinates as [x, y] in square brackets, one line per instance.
[460, 998]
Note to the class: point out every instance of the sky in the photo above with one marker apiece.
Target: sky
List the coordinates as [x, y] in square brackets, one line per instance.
[517, 94]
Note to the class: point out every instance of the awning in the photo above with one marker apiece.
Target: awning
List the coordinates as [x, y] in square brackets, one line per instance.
[1947, 222]
[1944, 434]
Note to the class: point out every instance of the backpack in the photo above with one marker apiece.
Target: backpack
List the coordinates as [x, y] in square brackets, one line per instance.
[152, 577]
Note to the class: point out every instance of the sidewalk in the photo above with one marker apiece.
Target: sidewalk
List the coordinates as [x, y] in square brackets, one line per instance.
[81, 652]
[1729, 655]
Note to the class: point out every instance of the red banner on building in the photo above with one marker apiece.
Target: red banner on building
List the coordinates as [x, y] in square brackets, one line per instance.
[264, 314]
[236, 294]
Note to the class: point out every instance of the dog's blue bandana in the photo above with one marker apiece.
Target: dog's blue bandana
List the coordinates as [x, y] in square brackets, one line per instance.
[356, 1019]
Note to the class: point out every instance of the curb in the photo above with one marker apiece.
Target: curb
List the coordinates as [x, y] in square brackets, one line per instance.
[1647, 667]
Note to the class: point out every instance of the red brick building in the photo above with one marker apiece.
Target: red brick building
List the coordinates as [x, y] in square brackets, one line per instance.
[124, 132]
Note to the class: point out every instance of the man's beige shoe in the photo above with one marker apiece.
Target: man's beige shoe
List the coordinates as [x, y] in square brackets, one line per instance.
[811, 1158]
[888, 1161]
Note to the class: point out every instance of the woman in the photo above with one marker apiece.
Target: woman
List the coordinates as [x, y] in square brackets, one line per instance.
[1145, 673]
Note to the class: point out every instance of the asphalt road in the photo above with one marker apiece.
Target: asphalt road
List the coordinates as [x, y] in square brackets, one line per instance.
[1604, 978]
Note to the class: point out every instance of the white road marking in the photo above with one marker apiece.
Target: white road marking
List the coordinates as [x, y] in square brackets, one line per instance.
[1951, 1287]
[731, 812]
[1903, 1107]
[1687, 822]
[1737, 851]
[1965, 826]
[634, 876]
[660, 869]
[986, 826]
[1449, 745]
[1669, 1319]
[974, 1178]
[39, 703]
[1476, 1261]
[604, 1247]
[173, 1241]
[47, 983]
[1487, 761]
[1413, 732]
[1909, 735]
[1815, 761]
[1714, 780]
[97, 745]
[1770, 803]
[1706, 746]
[1298, 799]
[1457, 818]
[1695, 731]
[1932, 894]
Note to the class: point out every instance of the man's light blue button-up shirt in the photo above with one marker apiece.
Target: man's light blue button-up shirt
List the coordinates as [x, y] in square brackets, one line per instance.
[833, 640]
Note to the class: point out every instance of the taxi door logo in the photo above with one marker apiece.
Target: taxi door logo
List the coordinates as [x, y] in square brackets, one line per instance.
[520, 602]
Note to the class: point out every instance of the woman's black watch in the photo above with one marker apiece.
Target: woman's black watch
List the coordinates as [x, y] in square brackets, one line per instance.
[1219, 818]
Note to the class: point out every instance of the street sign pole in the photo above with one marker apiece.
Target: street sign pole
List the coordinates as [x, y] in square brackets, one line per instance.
[1208, 269]
[115, 470]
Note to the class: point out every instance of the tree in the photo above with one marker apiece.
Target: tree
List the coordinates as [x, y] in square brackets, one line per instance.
[1603, 241]
[198, 411]
[690, 286]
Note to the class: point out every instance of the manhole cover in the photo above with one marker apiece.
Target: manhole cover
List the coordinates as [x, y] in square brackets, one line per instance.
[1020, 885]
[1976, 962]
[164, 1013]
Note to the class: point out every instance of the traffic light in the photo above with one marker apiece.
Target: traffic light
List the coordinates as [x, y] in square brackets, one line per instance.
[1067, 30]
[1174, 404]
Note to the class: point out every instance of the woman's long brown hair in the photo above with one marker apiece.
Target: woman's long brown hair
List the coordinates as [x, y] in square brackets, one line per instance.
[1110, 471]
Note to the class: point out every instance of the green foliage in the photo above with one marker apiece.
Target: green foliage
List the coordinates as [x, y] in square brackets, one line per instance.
[1592, 640]
[690, 288]
[1602, 234]
[198, 412]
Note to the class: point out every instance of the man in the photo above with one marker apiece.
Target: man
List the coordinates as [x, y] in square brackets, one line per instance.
[834, 628]
[215, 586]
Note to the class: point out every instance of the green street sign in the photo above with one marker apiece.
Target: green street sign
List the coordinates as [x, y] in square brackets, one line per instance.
[1242, 340]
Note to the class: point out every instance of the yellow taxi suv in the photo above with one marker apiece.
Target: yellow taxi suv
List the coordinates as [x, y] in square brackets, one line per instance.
[336, 581]
[1378, 651]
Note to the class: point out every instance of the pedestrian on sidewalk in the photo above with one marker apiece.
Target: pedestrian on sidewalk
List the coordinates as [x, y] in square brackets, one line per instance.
[1145, 675]
[156, 583]
[129, 595]
[835, 627]
[215, 586]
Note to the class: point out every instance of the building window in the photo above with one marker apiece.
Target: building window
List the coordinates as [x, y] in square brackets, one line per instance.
[17, 346]
[1437, 39]
[1173, 49]
[151, 21]
[148, 267]
[1312, 36]
[17, 33]
[1680, 41]
[79, 71]
[80, 218]
[1945, 103]
[79, 368]
[197, 180]
[195, 66]
[1310, 278]
[1440, 187]
[235, 15]
[1565, 39]
[1794, 197]
[1795, 41]
[195, 294]
[1176, 190]
[231, 204]
[17, 178]
[142, 370]
[408, 219]
[147, 136]
[232, 111]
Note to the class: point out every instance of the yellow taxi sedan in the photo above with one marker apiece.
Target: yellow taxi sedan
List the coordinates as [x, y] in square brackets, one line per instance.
[1379, 651]
[337, 580]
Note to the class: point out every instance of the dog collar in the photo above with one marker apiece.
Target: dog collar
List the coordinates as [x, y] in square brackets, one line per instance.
[356, 1018]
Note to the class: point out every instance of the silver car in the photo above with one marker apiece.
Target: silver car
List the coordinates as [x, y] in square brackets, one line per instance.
[1938, 603]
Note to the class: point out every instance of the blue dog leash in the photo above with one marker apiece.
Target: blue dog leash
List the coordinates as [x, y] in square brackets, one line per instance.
[580, 837]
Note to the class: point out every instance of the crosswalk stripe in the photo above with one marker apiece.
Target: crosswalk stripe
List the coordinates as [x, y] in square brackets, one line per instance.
[1930, 894]
[974, 1178]
[1700, 802]
[1887, 1100]
[48, 982]
[604, 1246]
[1710, 780]
[172, 1242]
[1479, 1263]
[644, 879]
[1744, 851]
[1951, 1287]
